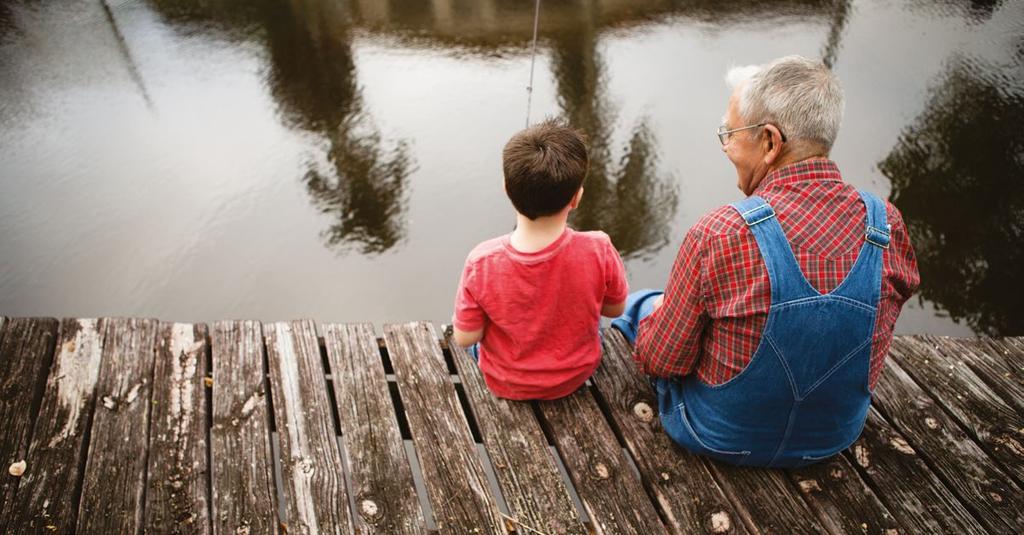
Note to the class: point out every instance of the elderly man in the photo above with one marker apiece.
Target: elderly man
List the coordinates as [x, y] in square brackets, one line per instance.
[779, 310]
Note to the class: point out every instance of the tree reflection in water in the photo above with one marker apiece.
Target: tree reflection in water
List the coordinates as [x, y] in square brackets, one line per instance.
[631, 200]
[313, 79]
[363, 181]
[956, 174]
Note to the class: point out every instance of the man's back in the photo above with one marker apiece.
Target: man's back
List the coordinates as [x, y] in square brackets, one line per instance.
[723, 291]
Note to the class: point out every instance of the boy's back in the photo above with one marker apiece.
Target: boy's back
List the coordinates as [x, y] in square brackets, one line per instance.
[540, 311]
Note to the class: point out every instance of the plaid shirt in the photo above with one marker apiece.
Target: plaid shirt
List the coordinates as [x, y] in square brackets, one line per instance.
[718, 294]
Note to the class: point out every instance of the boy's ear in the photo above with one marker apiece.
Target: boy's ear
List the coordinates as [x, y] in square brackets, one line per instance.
[575, 202]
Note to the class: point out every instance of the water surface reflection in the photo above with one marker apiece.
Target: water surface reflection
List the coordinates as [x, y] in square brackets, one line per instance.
[957, 177]
[205, 159]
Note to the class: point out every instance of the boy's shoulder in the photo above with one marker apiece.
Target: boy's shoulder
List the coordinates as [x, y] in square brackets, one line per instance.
[592, 237]
[485, 249]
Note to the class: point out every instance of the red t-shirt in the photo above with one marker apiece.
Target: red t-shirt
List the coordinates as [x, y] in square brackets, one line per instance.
[540, 311]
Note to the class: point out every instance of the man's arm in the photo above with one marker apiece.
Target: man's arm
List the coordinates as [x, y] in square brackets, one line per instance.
[669, 341]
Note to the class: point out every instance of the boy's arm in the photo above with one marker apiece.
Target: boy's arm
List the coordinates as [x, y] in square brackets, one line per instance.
[613, 310]
[616, 289]
[469, 319]
[467, 338]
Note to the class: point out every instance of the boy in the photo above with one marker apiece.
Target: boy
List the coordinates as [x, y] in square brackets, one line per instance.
[533, 298]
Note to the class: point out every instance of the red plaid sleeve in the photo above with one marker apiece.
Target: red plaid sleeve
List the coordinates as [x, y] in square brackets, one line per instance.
[902, 280]
[669, 340]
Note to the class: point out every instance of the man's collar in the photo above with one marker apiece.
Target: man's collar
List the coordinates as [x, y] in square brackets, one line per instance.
[817, 168]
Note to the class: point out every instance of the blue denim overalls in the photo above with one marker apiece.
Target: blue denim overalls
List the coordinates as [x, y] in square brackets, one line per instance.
[804, 396]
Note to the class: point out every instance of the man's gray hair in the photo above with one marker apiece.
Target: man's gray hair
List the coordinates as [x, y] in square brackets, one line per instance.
[800, 96]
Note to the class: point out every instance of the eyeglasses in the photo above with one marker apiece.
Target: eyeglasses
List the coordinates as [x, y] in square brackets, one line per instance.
[723, 134]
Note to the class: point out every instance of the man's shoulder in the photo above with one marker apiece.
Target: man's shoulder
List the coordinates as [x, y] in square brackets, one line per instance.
[721, 221]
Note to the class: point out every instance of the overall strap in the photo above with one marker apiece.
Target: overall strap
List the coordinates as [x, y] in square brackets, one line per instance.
[787, 281]
[864, 281]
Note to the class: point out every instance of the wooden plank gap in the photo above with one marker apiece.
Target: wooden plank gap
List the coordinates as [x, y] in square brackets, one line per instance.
[467, 412]
[527, 478]
[376, 463]
[208, 429]
[453, 474]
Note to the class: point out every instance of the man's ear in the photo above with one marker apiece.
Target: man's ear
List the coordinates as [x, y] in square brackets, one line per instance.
[772, 143]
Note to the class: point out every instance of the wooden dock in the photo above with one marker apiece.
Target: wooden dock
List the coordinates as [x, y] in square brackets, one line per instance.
[242, 427]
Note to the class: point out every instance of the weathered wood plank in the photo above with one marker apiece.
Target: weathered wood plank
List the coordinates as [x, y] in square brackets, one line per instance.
[378, 469]
[993, 360]
[913, 494]
[768, 501]
[26, 352]
[45, 495]
[527, 474]
[684, 490]
[992, 422]
[241, 466]
[113, 489]
[957, 459]
[612, 494]
[177, 495]
[454, 478]
[843, 501]
[313, 471]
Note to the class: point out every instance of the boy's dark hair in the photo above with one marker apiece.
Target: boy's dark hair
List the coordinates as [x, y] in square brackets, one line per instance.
[544, 167]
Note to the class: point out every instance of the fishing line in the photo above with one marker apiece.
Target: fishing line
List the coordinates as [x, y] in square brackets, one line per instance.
[533, 60]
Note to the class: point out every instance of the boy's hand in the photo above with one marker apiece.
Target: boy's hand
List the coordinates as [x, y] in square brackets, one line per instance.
[659, 301]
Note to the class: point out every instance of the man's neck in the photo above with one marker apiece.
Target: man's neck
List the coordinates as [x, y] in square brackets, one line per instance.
[531, 236]
[794, 157]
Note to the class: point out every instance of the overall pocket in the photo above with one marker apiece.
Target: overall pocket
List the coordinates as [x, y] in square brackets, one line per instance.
[701, 447]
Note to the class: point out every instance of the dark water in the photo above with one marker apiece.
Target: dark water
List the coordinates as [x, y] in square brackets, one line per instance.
[201, 160]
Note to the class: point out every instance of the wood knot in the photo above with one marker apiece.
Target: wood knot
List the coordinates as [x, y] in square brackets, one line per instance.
[720, 522]
[600, 471]
[110, 402]
[901, 446]
[836, 473]
[643, 412]
[932, 423]
[996, 497]
[665, 476]
[369, 510]
[862, 455]
[810, 485]
[17, 469]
